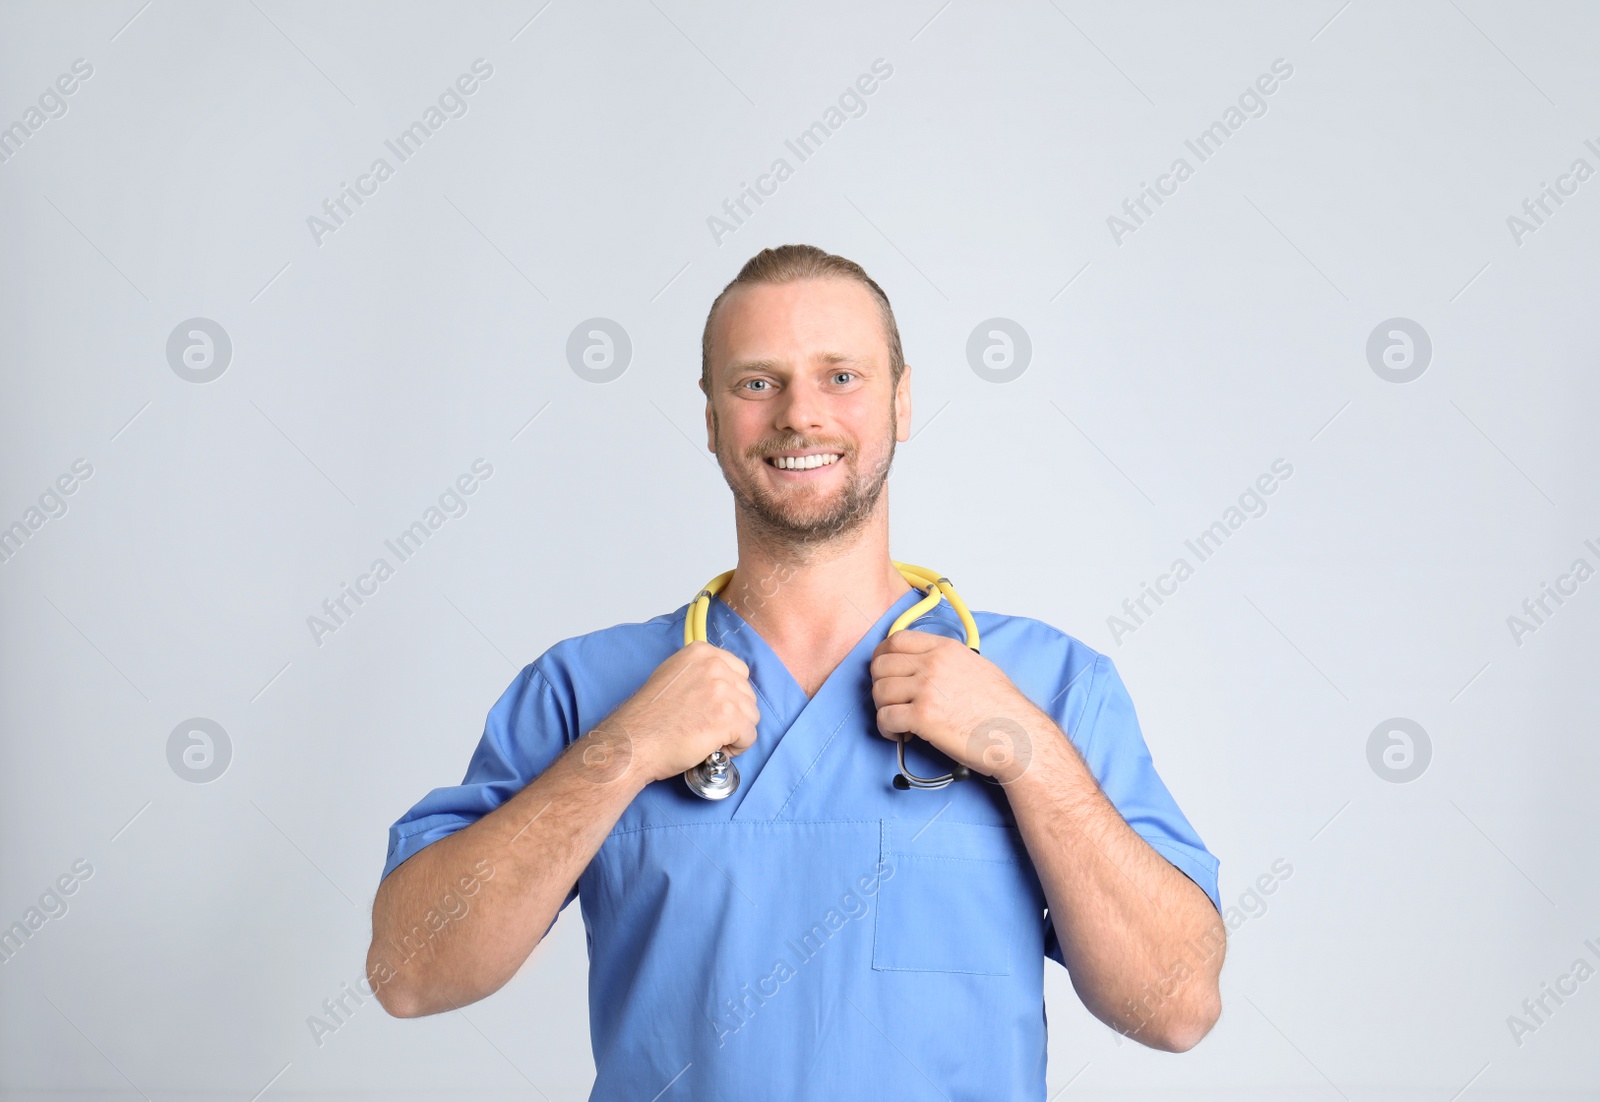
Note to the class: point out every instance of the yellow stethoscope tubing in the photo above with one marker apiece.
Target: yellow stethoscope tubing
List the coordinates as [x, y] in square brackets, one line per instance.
[931, 582]
[936, 583]
[694, 624]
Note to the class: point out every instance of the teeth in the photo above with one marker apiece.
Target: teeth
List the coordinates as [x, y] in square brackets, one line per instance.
[803, 463]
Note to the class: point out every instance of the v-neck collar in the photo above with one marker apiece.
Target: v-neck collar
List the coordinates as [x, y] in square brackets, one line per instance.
[799, 741]
[772, 668]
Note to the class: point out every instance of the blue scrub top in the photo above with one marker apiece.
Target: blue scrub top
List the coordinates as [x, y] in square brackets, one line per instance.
[819, 933]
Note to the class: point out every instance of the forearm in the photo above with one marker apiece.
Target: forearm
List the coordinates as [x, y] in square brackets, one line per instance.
[1142, 942]
[439, 942]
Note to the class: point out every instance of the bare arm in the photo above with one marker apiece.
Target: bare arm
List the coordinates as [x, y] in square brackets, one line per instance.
[1142, 941]
[454, 922]
[442, 948]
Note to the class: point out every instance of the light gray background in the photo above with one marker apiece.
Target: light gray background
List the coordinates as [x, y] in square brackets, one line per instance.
[370, 370]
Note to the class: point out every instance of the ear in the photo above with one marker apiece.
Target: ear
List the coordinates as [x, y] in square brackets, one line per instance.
[711, 434]
[902, 405]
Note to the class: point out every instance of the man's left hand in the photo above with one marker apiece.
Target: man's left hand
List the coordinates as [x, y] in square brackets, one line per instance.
[956, 700]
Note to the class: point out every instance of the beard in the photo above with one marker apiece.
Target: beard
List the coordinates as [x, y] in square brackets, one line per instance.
[805, 515]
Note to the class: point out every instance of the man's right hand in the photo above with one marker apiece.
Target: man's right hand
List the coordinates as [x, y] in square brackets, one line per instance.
[699, 700]
[540, 840]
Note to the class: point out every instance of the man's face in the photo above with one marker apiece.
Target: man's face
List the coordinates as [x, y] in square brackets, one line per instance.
[802, 369]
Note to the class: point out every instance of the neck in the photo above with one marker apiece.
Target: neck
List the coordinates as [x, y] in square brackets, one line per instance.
[814, 596]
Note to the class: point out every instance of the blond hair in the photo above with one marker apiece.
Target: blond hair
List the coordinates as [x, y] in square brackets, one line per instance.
[789, 263]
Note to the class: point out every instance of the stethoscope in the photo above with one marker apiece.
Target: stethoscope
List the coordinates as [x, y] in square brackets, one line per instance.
[718, 776]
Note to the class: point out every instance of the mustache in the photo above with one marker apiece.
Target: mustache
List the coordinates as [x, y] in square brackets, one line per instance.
[794, 444]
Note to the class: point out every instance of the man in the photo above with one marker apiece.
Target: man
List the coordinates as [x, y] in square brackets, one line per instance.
[818, 933]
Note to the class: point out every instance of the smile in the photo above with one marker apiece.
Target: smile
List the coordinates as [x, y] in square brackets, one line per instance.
[802, 462]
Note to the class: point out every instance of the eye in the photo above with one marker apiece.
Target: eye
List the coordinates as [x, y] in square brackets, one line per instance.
[748, 382]
[846, 374]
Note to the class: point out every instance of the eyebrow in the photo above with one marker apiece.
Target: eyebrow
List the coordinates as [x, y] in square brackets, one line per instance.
[772, 365]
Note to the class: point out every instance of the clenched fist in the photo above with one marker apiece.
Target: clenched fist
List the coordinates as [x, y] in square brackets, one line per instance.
[699, 700]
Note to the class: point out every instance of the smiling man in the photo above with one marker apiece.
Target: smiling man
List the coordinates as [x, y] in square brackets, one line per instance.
[830, 926]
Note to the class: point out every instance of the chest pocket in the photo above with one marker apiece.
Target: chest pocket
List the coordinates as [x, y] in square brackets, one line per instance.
[956, 897]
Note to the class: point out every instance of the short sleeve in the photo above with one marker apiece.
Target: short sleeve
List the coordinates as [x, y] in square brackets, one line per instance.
[1114, 749]
[526, 730]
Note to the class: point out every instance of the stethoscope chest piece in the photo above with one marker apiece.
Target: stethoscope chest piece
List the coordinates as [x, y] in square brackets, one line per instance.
[713, 779]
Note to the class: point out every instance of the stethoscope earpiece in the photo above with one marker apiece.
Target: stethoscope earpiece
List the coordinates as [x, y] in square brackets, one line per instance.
[905, 779]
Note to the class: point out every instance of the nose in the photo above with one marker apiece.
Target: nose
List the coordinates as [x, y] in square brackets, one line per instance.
[802, 410]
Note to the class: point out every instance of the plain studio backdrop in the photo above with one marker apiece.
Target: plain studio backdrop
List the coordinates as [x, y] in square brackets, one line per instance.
[223, 393]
